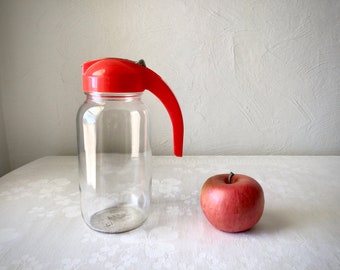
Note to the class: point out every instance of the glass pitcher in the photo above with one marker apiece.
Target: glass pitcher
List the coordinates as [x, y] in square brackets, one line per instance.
[113, 133]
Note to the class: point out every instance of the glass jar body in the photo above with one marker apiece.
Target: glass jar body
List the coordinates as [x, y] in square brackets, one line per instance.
[114, 161]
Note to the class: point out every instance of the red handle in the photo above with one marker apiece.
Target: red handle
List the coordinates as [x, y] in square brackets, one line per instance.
[155, 84]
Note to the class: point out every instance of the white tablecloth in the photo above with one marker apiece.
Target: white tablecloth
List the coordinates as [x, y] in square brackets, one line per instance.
[41, 226]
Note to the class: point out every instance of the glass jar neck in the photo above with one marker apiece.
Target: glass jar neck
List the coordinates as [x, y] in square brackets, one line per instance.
[98, 96]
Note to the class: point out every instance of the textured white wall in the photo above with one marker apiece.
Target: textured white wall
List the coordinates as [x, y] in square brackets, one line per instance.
[252, 77]
[4, 157]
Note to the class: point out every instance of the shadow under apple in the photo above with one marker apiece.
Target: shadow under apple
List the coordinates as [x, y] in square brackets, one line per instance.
[272, 221]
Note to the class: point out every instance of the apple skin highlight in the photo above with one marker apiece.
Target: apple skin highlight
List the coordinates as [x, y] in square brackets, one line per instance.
[232, 207]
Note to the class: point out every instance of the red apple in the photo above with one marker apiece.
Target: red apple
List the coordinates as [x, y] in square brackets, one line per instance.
[232, 202]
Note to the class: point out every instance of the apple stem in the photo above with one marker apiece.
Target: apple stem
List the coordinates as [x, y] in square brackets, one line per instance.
[229, 177]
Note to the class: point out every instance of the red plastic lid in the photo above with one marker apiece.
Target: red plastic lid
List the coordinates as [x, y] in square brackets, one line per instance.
[122, 76]
[112, 75]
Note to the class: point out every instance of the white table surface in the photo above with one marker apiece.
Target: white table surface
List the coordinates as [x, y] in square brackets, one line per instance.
[41, 226]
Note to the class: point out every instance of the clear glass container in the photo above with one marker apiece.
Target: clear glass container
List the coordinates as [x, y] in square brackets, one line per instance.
[114, 161]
